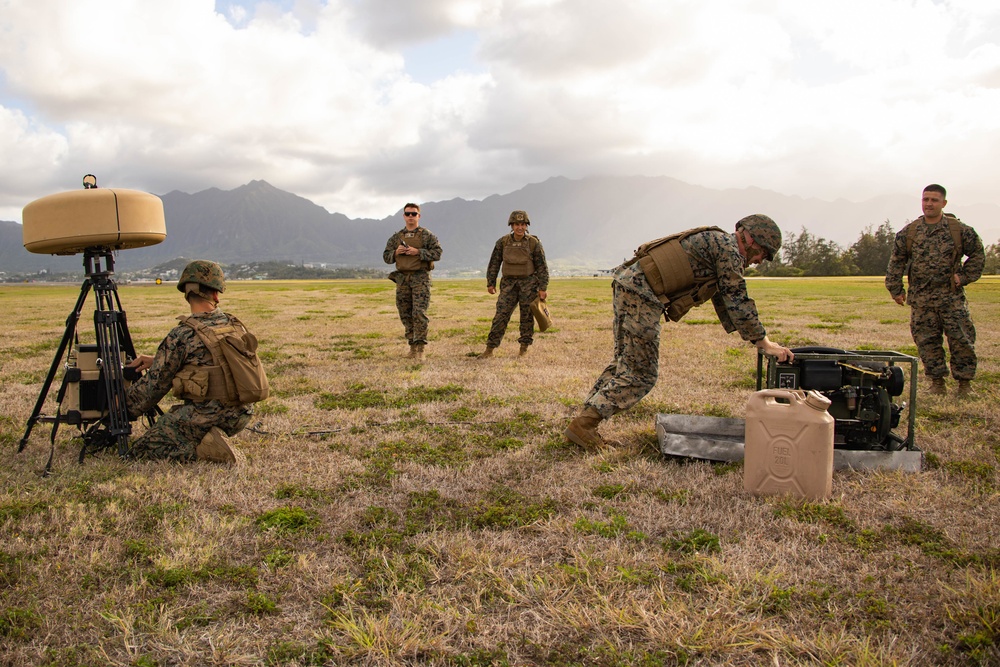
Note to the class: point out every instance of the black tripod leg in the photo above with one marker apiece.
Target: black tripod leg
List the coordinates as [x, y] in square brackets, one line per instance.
[107, 322]
[71, 324]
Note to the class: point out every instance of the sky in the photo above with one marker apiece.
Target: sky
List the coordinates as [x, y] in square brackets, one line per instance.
[363, 105]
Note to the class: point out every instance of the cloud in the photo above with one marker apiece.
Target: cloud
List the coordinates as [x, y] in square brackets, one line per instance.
[851, 99]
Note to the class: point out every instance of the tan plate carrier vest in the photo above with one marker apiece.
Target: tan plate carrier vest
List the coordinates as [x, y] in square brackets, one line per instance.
[207, 383]
[669, 273]
[410, 263]
[517, 256]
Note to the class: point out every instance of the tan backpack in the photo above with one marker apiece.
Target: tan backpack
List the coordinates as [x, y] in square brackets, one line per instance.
[234, 349]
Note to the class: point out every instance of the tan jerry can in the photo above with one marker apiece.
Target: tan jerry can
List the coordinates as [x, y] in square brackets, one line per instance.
[788, 444]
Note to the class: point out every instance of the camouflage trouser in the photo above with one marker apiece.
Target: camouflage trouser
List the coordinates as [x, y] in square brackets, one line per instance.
[514, 292]
[633, 372]
[413, 297]
[929, 325]
[176, 433]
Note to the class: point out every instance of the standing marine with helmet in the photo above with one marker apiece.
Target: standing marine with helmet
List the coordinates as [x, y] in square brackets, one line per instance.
[414, 250]
[196, 428]
[930, 251]
[668, 277]
[525, 277]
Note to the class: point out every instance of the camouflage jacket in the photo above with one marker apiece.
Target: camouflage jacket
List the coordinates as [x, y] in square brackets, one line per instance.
[537, 258]
[180, 347]
[430, 252]
[713, 255]
[928, 264]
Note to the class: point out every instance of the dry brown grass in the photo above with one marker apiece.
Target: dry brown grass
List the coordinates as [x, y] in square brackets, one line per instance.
[394, 513]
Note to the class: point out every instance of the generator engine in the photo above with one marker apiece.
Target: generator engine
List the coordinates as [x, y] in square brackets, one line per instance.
[860, 390]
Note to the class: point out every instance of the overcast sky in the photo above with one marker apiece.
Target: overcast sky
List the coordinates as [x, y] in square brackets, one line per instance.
[362, 105]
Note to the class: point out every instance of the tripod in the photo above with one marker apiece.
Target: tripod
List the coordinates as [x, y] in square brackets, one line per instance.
[108, 423]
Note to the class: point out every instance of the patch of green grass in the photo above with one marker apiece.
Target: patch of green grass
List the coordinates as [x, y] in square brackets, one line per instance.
[679, 496]
[288, 652]
[611, 491]
[170, 578]
[806, 512]
[618, 526]
[359, 397]
[138, 551]
[522, 424]
[360, 288]
[18, 623]
[503, 508]
[287, 520]
[720, 469]
[463, 414]
[981, 474]
[421, 452]
[19, 509]
[696, 541]
[454, 331]
[286, 491]
[934, 543]
[259, 604]
[265, 408]
[377, 474]
[278, 558]
[710, 410]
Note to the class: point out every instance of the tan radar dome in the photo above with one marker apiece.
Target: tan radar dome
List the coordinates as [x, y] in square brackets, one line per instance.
[67, 223]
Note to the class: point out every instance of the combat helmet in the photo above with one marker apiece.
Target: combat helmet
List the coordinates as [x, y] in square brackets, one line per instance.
[764, 231]
[201, 273]
[518, 216]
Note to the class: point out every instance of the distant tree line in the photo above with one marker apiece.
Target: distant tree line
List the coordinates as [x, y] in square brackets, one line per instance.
[805, 254]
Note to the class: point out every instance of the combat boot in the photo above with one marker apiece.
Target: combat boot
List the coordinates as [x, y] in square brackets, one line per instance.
[486, 354]
[215, 447]
[582, 431]
[937, 387]
[416, 352]
[524, 349]
[964, 388]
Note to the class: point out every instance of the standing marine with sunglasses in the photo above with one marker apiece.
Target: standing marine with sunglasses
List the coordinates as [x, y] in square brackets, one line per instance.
[414, 250]
[668, 277]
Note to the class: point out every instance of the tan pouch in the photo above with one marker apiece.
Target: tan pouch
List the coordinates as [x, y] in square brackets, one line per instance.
[679, 307]
[190, 384]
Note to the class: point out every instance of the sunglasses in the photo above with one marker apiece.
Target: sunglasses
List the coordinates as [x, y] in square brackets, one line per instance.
[411, 214]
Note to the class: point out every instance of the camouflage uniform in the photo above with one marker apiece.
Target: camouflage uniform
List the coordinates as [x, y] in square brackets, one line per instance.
[637, 311]
[516, 291]
[176, 434]
[937, 307]
[413, 288]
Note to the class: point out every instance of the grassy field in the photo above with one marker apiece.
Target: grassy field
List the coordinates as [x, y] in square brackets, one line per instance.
[392, 513]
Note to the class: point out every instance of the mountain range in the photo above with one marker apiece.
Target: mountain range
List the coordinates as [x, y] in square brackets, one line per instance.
[584, 224]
